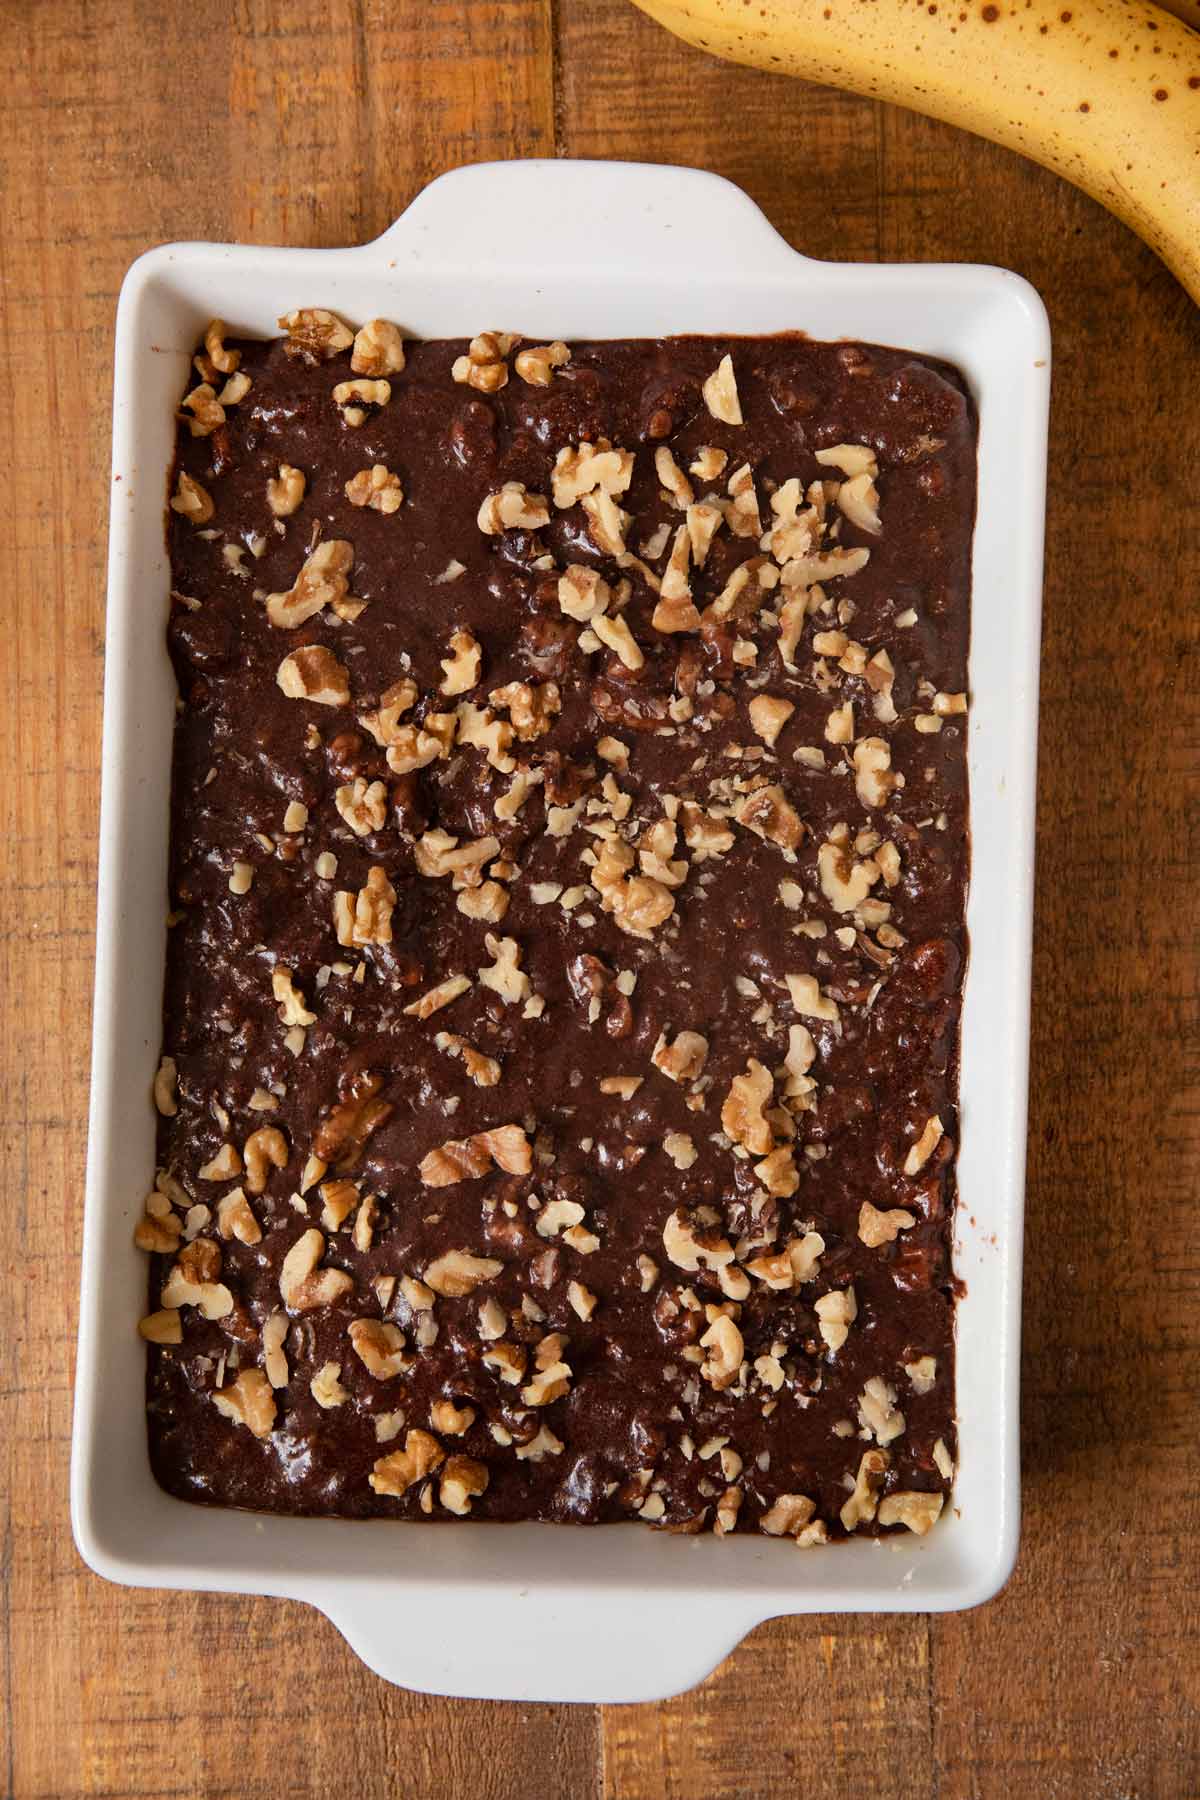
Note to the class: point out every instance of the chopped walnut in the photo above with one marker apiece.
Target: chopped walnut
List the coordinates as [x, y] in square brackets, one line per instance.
[365, 918]
[395, 1474]
[192, 1281]
[616, 636]
[582, 593]
[159, 1227]
[684, 1059]
[325, 1387]
[467, 1159]
[878, 1413]
[451, 1420]
[787, 1515]
[461, 667]
[314, 673]
[263, 1150]
[379, 1347]
[922, 1373]
[845, 883]
[377, 488]
[947, 705]
[292, 1007]
[675, 610]
[162, 1327]
[839, 726]
[920, 1152]
[721, 394]
[165, 1079]
[537, 364]
[339, 1199]
[581, 1300]
[551, 1379]
[363, 805]
[874, 779]
[513, 508]
[858, 499]
[354, 397]
[248, 1401]
[463, 1480]
[769, 715]
[223, 1166]
[708, 463]
[587, 467]
[692, 1248]
[768, 813]
[723, 1341]
[223, 361]
[860, 1507]
[205, 410]
[741, 509]
[484, 366]
[836, 1312]
[316, 333]
[302, 1284]
[483, 1070]
[531, 708]
[324, 579]
[742, 1114]
[678, 488]
[378, 349]
[808, 999]
[638, 903]
[192, 501]
[704, 520]
[681, 1149]
[507, 1360]
[505, 976]
[919, 1511]
[235, 1218]
[875, 1227]
[274, 1333]
[607, 523]
[437, 997]
[286, 491]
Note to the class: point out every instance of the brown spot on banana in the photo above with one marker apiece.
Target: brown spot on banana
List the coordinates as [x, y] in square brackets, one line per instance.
[1019, 86]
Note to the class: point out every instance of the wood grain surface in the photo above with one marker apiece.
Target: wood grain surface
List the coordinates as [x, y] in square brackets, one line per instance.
[314, 122]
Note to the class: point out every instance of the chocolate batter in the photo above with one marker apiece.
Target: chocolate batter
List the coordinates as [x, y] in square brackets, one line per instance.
[702, 1279]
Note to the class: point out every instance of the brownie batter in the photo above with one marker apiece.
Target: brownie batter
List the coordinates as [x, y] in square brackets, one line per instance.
[568, 857]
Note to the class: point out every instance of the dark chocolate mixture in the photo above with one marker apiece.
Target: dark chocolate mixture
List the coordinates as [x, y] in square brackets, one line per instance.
[651, 771]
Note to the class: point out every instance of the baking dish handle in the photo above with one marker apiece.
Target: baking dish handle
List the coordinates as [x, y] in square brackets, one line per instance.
[493, 214]
[572, 1644]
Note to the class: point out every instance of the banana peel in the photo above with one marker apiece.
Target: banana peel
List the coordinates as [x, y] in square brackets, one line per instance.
[1104, 92]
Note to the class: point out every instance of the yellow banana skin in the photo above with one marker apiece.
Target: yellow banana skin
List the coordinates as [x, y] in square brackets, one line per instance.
[1104, 92]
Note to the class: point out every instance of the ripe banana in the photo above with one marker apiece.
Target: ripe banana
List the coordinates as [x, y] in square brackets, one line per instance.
[1104, 92]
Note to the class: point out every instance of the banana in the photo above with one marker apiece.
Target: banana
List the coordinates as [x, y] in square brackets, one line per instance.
[1104, 92]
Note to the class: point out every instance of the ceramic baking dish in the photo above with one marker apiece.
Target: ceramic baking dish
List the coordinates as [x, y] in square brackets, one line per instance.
[538, 1612]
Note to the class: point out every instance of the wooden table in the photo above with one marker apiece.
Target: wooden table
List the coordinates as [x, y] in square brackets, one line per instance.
[315, 122]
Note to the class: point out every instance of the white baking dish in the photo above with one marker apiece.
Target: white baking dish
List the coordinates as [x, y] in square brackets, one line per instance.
[539, 1612]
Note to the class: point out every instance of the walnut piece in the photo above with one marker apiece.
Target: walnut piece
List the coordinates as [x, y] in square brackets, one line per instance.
[920, 1152]
[376, 487]
[877, 1411]
[860, 1507]
[303, 1285]
[395, 1474]
[467, 1159]
[314, 673]
[263, 1150]
[285, 491]
[875, 1227]
[235, 1218]
[461, 668]
[768, 813]
[683, 1060]
[325, 1387]
[316, 333]
[248, 1401]
[323, 580]
[363, 805]
[192, 1281]
[874, 779]
[836, 1312]
[378, 349]
[365, 918]
[585, 468]
[787, 1515]
[463, 1480]
[742, 1114]
[484, 367]
[845, 883]
[768, 715]
[692, 1245]
[919, 1511]
[457, 1272]
[379, 1347]
[513, 508]
[537, 364]
[191, 500]
[354, 397]
[721, 393]
[723, 1341]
